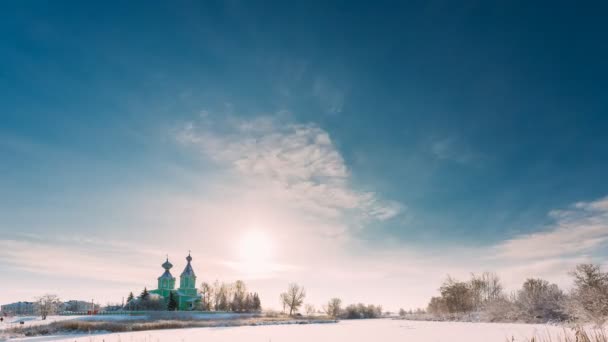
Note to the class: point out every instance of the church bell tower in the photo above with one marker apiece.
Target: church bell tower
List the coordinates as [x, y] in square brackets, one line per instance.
[166, 282]
[187, 280]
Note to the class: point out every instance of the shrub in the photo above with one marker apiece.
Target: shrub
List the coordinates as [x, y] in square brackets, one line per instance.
[539, 301]
[589, 298]
[361, 311]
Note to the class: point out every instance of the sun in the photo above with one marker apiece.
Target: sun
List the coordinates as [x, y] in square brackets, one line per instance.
[255, 247]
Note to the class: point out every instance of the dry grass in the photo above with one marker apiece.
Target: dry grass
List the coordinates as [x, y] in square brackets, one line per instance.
[580, 335]
[82, 326]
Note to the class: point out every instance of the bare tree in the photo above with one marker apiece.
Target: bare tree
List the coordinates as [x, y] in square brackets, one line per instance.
[485, 288]
[293, 298]
[457, 296]
[333, 307]
[207, 296]
[239, 290]
[310, 309]
[47, 304]
[539, 300]
[221, 299]
[284, 301]
[589, 298]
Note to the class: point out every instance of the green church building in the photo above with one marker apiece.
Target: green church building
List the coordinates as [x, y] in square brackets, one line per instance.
[187, 295]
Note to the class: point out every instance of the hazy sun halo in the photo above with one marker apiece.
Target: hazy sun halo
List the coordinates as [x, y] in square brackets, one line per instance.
[255, 247]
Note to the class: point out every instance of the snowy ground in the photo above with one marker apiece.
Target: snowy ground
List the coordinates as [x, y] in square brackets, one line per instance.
[384, 330]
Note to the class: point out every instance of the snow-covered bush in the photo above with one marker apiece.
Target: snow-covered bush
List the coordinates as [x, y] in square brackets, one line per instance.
[539, 301]
[500, 310]
[589, 298]
[482, 298]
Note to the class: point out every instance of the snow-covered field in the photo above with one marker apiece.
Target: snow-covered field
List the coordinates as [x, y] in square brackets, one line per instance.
[383, 330]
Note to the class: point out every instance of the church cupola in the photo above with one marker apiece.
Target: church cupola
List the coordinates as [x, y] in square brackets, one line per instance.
[166, 281]
[167, 265]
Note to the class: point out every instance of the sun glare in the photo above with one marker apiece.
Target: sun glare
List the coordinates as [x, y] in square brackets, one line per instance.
[255, 247]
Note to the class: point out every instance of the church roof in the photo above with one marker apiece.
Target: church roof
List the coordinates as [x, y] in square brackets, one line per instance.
[188, 271]
[167, 275]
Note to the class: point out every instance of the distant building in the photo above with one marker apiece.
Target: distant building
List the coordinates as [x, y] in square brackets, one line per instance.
[187, 295]
[116, 307]
[77, 306]
[19, 308]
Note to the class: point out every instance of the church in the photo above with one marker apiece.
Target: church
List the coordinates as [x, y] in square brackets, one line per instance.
[187, 295]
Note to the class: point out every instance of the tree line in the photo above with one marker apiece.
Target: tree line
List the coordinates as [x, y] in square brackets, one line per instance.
[232, 297]
[293, 299]
[219, 296]
[482, 297]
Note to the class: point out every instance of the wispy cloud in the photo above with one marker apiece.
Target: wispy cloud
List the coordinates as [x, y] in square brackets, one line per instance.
[298, 162]
[453, 150]
[75, 257]
[580, 229]
[330, 96]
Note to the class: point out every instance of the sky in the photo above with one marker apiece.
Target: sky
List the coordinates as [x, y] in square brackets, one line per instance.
[364, 151]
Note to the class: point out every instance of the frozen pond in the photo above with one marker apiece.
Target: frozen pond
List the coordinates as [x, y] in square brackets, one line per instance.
[351, 331]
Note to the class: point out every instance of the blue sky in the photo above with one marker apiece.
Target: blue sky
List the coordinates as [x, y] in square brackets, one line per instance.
[399, 136]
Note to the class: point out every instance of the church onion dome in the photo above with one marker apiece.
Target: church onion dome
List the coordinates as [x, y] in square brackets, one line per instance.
[188, 271]
[167, 265]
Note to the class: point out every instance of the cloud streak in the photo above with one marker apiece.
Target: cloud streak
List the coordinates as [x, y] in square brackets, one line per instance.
[80, 258]
[580, 229]
[451, 149]
[298, 162]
